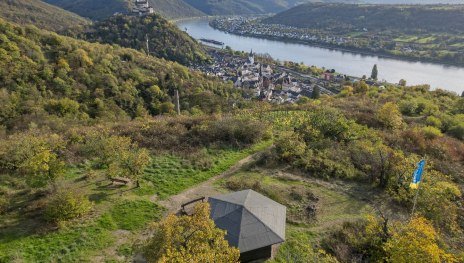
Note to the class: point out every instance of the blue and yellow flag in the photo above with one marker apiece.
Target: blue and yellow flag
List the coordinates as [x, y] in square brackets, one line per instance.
[417, 176]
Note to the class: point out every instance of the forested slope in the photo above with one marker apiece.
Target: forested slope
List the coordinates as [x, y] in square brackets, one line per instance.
[165, 39]
[240, 7]
[374, 17]
[42, 73]
[175, 9]
[39, 14]
[92, 9]
[101, 9]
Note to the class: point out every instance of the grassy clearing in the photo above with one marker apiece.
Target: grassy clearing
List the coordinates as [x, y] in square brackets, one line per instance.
[116, 209]
[315, 207]
[170, 175]
[133, 215]
[77, 243]
[333, 205]
[66, 245]
[333, 202]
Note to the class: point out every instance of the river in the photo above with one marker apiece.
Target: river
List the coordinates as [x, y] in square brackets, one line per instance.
[392, 70]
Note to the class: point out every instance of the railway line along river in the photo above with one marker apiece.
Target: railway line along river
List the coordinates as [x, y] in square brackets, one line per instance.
[390, 69]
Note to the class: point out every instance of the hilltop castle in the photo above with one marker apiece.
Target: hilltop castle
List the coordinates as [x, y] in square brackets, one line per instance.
[142, 7]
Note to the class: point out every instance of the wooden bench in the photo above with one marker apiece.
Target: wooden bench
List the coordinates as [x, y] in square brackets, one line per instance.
[120, 180]
[183, 211]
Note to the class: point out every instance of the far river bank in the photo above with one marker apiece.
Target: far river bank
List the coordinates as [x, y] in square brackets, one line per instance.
[353, 63]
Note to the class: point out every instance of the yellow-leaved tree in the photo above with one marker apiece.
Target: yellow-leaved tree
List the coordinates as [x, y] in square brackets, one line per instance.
[416, 241]
[389, 116]
[189, 239]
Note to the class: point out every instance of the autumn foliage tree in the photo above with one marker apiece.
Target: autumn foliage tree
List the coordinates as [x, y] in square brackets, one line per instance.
[189, 239]
[389, 116]
[416, 241]
[66, 204]
[119, 154]
[33, 156]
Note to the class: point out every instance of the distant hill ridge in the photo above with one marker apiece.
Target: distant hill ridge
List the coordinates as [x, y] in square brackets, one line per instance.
[240, 7]
[432, 18]
[172, 9]
[39, 14]
[102, 9]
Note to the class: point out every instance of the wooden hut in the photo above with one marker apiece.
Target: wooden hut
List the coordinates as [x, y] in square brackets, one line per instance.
[254, 223]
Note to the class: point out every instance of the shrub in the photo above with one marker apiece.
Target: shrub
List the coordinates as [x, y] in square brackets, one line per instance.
[290, 147]
[431, 132]
[408, 107]
[416, 242]
[327, 122]
[239, 184]
[361, 87]
[434, 121]
[324, 166]
[426, 107]
[457, 131]
[389, 116]
[200, 159]
[438, 201]
[62, 107]
[66, 204]
[358, 241]
[232, 132]
[459, 107]
[4, 203]
[346, 91]
[299, 249]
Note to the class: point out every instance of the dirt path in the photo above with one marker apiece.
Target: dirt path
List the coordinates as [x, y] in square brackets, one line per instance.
[204, 189]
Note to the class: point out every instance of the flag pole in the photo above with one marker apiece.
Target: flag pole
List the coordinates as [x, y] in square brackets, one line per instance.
[417, 192]
[415, 201]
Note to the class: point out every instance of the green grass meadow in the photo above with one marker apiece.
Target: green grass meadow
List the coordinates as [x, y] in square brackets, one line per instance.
[124, 209]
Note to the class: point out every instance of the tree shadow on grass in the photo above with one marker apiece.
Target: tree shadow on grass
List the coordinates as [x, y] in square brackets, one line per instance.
[89, 183]
[99, 197]
[22, 224]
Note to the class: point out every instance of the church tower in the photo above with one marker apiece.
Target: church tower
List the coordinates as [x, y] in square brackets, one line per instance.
[251, 58]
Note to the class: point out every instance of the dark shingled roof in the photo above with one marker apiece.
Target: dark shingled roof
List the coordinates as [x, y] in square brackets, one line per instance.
[251, 220]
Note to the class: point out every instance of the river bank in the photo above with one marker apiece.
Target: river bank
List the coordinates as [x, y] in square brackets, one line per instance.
[353, 50]
[350, 63]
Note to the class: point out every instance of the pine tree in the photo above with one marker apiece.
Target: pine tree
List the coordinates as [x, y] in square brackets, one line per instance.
[462, 95]
[375, 72]
[316, 93]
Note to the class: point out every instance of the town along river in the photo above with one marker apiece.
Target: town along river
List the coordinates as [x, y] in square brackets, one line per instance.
[353, 64]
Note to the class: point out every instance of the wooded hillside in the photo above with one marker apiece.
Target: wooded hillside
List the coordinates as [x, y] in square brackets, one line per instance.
[42, 73]
[413, 18]
[39, 14]
[165, 39]
[241, 7]
[101, 9]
